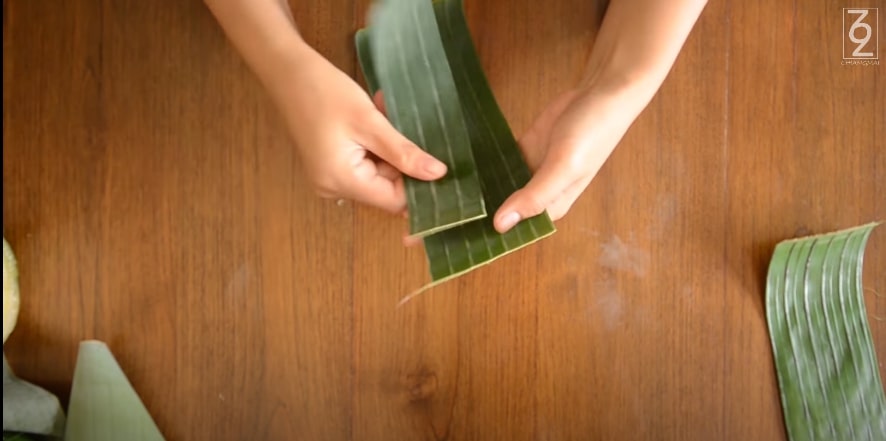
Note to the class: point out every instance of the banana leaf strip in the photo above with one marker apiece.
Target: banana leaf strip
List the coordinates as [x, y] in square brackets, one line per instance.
[502, 171]
[420, 99]
[824, 355]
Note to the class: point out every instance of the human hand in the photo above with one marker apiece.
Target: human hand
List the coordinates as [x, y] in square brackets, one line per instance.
[347, 146]
[566, 146]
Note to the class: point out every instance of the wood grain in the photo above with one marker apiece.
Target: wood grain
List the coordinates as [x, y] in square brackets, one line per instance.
[155, 202]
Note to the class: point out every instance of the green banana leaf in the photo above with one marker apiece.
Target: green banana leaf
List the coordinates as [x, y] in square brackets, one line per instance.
[824, 354]
[502, 170]
[367, 63]
[103, 404]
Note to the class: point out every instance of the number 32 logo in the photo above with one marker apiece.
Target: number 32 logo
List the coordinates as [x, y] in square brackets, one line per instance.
[861, 31]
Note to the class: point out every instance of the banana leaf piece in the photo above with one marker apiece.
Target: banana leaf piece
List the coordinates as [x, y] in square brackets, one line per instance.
[421, 103]
[502, 170]
[103, 404]
[824, 355]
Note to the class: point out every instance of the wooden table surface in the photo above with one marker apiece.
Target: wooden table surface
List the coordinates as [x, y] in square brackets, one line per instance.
[155, 202]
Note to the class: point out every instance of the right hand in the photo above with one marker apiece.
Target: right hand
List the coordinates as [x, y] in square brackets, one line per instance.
[348, 148]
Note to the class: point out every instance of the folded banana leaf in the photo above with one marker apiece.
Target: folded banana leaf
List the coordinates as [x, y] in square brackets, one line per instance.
[824, 354]
[455, 250]
[103, 404]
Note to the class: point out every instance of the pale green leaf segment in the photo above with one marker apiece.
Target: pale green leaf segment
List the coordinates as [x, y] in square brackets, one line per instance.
[103, 404]
[824, 354]
[455, 251]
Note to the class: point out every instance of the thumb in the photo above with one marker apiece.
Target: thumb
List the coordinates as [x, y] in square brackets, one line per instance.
[539, 193]
[395, 149]
[379, 100]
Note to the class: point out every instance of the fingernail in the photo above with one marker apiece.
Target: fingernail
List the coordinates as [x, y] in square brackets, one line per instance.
[507, 221]
[435, 167]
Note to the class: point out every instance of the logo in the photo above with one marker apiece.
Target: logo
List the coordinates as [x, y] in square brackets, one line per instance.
[861, 35]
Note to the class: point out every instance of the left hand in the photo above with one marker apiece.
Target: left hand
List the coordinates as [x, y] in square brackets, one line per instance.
[565, 147]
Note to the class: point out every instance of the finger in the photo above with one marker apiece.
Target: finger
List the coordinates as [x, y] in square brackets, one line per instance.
[379, 100]
[391, 146]
[552, 179]
[564, 203]
[387, 171]
[368, 186]
[411, 241]
[408, 239]
[540, 129]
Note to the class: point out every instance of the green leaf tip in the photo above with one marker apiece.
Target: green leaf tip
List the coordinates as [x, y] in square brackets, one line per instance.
[407, 36]
[103, 404]
[824, 355]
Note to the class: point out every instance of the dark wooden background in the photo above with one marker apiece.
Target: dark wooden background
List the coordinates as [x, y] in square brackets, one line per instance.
[154, 202]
